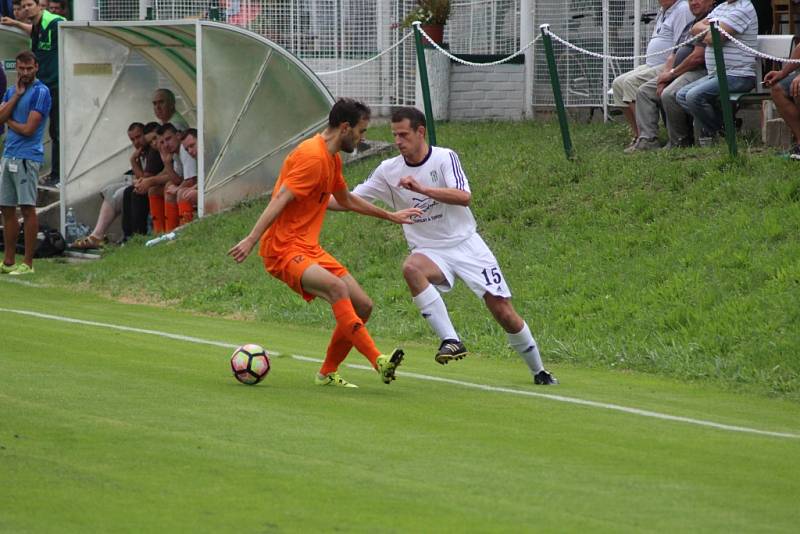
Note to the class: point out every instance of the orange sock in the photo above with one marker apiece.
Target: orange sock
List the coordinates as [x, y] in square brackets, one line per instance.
[185, 212]
[157, 212]
[338, 349]
[170, 216]
[353, 328]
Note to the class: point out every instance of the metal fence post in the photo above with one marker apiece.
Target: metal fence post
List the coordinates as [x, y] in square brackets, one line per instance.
[724, 94]
[559, 101]
[423, 80]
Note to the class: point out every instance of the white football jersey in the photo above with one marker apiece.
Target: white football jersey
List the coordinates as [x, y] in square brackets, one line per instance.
[440, 225]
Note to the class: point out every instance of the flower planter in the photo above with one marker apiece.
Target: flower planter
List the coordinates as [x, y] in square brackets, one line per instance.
[436, 33]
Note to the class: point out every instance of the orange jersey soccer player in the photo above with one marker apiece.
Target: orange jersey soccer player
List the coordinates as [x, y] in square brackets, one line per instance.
[289, 231]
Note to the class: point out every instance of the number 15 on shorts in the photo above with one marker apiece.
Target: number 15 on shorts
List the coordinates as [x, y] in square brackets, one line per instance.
[492, 275]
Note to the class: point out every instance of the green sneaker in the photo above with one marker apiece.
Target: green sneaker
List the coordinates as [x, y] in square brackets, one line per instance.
[21, 269]
[388, 364]
[333, 379]
[7, 269]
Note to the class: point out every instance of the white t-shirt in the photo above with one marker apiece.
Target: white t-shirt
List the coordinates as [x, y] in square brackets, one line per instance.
[188, 165]
[441, 225]
[177, 164]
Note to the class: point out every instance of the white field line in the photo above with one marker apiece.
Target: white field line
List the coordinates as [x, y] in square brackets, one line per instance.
[15, 280]
[472, 385]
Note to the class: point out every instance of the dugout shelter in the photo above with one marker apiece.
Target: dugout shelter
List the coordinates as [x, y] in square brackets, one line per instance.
[250, 100]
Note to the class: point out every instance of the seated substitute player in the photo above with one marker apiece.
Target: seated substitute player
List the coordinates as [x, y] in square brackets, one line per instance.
[186, 193]
[289, 228]
[444, 242]
[176, 196]
[135, 205]
[163, 205]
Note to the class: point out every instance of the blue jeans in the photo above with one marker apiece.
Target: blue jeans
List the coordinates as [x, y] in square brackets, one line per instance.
[701, 100]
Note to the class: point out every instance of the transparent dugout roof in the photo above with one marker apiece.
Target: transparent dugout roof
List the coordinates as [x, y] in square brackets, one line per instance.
[251, 101]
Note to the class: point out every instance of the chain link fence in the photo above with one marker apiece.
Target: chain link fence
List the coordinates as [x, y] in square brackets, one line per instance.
[333, 35]
[117, 9]
[602, 26]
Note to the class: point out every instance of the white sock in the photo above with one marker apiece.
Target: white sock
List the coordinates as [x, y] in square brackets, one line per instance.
[434, 311]
[525, 345]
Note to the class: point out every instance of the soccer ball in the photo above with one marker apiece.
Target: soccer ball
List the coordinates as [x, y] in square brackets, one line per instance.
[250, 364]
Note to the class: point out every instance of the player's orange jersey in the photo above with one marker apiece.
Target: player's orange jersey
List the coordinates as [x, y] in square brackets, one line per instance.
[312, 174]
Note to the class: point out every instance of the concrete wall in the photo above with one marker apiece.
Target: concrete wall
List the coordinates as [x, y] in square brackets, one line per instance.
[480, 93]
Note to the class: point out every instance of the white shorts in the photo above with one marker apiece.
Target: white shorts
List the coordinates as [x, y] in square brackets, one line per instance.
[473, 262]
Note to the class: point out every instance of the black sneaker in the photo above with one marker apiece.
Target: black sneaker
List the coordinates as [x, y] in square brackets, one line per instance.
[794, 152]
[544, 378]
[450, 349]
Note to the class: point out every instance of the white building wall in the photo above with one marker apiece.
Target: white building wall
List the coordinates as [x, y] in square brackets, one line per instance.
[481, 93]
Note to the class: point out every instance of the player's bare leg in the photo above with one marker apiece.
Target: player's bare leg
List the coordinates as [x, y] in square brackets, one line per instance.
[519, 336]
[361, 301]
[11, 227]
[420, 273]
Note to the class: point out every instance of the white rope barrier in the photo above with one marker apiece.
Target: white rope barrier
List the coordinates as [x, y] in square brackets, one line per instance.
[622, 58]
[373, 58]
[753, 51]
[470, 63]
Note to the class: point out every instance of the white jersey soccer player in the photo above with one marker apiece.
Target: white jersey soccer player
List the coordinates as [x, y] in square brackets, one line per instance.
[441, 225]
[443, 240]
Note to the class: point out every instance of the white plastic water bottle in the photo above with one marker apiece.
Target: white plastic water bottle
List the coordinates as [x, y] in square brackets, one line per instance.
[160, 239]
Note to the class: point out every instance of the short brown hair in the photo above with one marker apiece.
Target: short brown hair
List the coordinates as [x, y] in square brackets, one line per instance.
[26, 56]
[414, 116]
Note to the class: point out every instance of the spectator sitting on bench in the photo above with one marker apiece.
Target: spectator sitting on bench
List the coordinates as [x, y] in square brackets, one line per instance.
[186, 193]
[673, 16]
[113, 194]
[684, 66]
[701, 98]
[784, 86]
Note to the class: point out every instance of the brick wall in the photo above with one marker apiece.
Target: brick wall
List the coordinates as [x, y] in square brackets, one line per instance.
[486, 92]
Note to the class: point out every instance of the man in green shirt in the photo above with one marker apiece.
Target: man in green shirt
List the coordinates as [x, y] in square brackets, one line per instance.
[43, 29]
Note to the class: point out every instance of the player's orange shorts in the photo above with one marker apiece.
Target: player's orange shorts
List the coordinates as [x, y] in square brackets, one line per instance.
[289, 267]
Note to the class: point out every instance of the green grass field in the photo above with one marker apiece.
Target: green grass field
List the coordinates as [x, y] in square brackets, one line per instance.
[107, 430]
[682, 263]
[662, 289]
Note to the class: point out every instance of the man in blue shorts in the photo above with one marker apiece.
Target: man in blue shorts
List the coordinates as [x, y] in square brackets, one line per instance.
[23, 110]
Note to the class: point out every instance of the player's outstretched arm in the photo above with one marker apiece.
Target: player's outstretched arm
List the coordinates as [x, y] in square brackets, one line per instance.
[335, 206]
[347, 201]
[242, 249]
[445, 195]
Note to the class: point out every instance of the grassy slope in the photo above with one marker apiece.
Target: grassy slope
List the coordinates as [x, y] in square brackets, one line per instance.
[118, 431]
[683, 263]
